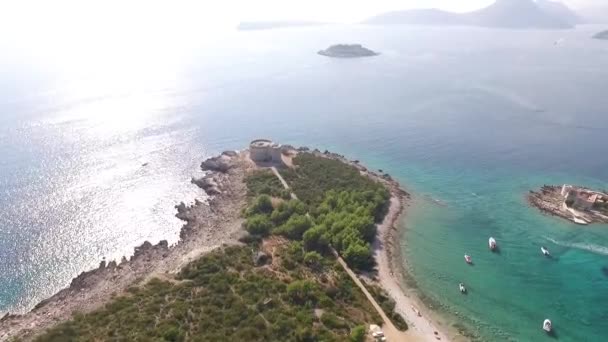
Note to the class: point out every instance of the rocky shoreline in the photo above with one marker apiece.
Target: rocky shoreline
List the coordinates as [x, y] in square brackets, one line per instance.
[207, 225]
[547, 201]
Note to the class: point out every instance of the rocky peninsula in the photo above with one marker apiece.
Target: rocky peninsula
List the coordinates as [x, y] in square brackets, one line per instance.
[601, 35]
[574, 203]
[347, 51]
[241, 193]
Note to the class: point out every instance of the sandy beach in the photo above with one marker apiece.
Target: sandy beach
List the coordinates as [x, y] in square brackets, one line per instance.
[387, 253]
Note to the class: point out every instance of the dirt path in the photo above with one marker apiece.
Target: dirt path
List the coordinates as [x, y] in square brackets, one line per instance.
[389, 329]
[285, 185]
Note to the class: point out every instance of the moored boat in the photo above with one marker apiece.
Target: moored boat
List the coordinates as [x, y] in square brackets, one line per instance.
[492, 243]
[545, 251]
[547, 326]
[468, 259]
[462, 288]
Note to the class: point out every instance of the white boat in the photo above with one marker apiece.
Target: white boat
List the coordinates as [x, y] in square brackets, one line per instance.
[492, 243]
[462, 288]
[545, 251]
[547, 325]
[468, 259]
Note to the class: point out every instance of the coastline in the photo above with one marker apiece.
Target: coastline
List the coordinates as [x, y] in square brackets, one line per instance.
[208, 225]
[217, 222]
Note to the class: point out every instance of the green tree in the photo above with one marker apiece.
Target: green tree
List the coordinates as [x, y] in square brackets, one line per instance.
[295, 227]
[258, 225]
[315, 239]
[358, 255]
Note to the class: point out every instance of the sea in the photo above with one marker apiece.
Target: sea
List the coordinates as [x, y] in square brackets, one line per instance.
[93, 160]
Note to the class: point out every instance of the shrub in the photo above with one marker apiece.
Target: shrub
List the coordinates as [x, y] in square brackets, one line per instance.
[332, 321]
[264, 182]
[313, 260]
[261, 205]
[357, 334]
[225, 299]
[301, 291]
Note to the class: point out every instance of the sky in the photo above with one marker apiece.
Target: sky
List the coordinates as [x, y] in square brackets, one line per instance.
[82, 29]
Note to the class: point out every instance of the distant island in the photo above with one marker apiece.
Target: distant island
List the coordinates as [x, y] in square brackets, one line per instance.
[503, 14]
[347, 51]
[574, 203]
[267, 25]
[601, 35]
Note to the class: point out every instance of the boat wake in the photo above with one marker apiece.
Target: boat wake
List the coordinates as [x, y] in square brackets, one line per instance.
[590, 247]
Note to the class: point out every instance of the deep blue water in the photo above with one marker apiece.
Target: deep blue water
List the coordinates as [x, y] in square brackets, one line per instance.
[472, 117]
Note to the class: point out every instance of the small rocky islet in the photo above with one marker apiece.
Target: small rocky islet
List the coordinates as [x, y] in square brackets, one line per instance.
[574, 203]
[347, 51]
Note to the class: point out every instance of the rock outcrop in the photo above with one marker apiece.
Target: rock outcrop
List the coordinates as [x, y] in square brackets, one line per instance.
[219, 164]
[208, 183]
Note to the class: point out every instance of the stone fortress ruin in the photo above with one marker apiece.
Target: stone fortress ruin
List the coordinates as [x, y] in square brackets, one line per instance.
[265, 151]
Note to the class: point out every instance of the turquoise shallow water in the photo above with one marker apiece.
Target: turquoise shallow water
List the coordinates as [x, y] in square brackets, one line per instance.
[471, 117]
[511, 292]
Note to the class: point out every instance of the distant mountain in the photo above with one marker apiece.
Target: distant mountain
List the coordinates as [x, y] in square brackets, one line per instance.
[502, 13]
[595, 15]
[601, 35]
[560, 11]
[265, 25]
[515, 14]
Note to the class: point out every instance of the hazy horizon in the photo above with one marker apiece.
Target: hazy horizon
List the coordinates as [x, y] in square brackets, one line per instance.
[78, 35]
[115, 14]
